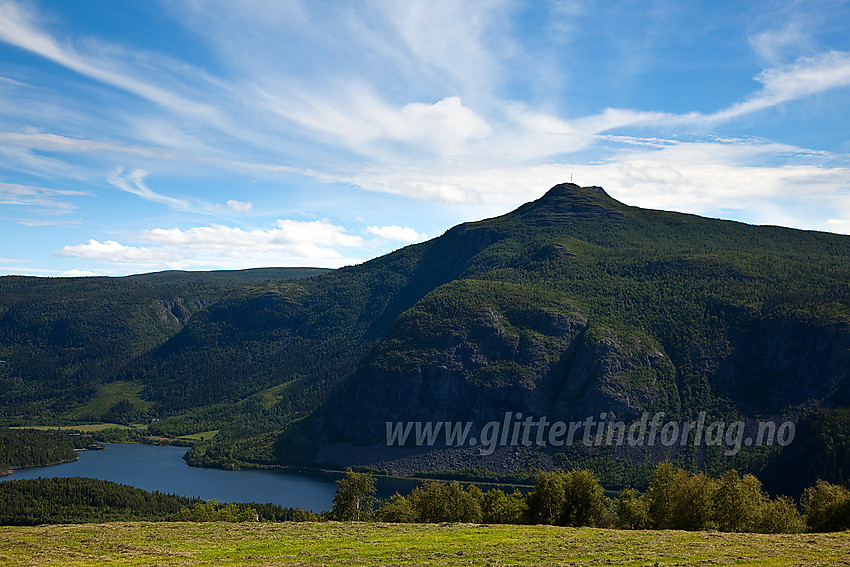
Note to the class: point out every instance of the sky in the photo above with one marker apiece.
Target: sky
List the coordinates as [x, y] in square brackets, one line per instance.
[145, 135]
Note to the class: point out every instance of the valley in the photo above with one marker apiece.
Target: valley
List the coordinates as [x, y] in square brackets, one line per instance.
[572, 306]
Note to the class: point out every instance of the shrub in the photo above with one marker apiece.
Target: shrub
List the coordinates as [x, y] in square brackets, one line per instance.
[546, 501]
[663, 493]
[501, 508]
[781, 516]
[441, 502]
[632, 510]
[397, 509]
[827, 507]
[739, 503]
[694, 504]
[584, 499]
[355, 496]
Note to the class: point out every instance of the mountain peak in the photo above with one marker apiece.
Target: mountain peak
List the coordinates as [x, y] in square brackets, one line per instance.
[572, 191]
[573, 188]
[570, 200]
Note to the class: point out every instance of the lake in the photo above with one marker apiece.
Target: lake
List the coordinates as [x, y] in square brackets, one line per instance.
[163, 469]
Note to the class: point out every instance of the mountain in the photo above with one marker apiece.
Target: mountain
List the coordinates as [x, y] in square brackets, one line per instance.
[571, 306]
[575, 305]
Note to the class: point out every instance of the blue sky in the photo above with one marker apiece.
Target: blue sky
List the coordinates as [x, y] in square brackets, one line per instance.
[204, 134]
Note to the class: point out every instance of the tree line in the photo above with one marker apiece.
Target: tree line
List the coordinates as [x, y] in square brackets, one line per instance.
[83, 500]
[675, 499]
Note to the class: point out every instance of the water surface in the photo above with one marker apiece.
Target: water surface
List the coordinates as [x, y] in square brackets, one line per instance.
[163, 469]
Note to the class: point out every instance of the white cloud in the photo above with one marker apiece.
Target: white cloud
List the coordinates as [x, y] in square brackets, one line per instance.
[288, 243]
[395, 233]
[716, 177]
[20, 146]
[47, 222]
[75, 273]
[134, 183]
[839, 225]
[309, 236]
[363, 123]
[112, 251]
[454, 39]
[66, 144]
[23, 160]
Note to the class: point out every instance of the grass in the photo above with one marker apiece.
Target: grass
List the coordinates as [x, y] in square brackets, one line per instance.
[203, 435]
[179, 544]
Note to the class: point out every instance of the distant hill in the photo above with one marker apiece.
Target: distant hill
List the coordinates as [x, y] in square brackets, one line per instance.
[571, 306]
[227, 276]
[66, 344]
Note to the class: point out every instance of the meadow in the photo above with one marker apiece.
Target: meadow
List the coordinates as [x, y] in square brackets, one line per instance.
[354, 543]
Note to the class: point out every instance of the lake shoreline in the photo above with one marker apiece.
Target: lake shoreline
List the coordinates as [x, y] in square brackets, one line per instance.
[10, 471]
[243, 466]
[7, 472]
[162, 469]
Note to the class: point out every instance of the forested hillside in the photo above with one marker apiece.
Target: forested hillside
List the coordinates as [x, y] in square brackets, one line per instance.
[66, 343]
[571, 306]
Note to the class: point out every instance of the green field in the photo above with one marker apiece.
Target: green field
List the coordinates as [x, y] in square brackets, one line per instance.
[139, 544]
[203, 435]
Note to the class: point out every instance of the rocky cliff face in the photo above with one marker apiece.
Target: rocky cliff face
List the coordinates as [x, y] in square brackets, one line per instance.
[570, 373]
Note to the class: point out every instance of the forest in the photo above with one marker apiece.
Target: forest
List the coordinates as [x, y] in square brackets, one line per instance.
[20, 448]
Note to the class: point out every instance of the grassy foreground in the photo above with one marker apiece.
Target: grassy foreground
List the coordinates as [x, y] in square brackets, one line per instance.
[332, 543]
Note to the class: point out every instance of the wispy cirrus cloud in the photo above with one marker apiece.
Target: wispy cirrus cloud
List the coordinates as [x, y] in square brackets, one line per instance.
[134, 182]
[776, 45]
[806, 77]
[58, 143]
[19, 27]
[445, 135]
[43, 199]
